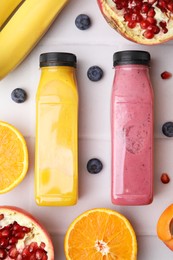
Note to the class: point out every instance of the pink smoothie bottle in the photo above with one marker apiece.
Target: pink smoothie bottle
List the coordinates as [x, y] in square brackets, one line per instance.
[132, 129]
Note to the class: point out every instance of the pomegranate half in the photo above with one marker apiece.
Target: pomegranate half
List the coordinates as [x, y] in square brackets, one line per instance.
[142, 21]
[22, 237]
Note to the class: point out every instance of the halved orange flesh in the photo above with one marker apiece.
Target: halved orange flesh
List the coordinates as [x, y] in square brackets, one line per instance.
[100, 234]
[13, 157]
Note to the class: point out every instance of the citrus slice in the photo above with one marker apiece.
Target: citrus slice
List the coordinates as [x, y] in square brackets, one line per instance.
[13, 157]
[100, 234]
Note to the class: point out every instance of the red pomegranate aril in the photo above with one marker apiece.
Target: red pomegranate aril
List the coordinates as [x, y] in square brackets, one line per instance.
[25, 252]
[16, 226]
[151, 20]
[19, 257]
[151, 1]
[26, 229]
[119, 6]
[42, 245]
[1, 216]
[166, 75]
[13, 253]
[45, 257]
[170, 7]
[3, 242]
[124, 4]
[131, 24]
[151, 12]
[12, 240]
[148, 34]
[154, 28]
[33, 247]
[144, 24]
[39, 254]
[3, 254]
[5, 233]
[127, 17]
[165, 178]
[165, 30]
[162, 4]
[145, 7]
[20, 235]
[162, 24]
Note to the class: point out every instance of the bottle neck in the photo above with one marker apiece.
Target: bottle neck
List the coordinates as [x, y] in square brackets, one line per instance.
[129, 67]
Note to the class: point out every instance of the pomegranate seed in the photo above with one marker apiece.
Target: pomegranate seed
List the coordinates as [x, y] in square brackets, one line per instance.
[131, 24]
[32, 257]
[148, 34]
[151, 12]
[12, 241]
[26, 229]
[127, 17]
[165, 30]
[3, 242]
[145, 7]
[124, 4]
[13, 253]
[5, 233]
[3, 254]
[162, 24]
[16, 226]
[25, 252]
[144, 24]
[154, 28]
[19, 257]
[45, 257]
[165, 178]
[119, 6]
[170, 7]
[151, 1]
[39, 254]
[166, 75]
[151, 20]
[20, 235]
[162, 4]
[42, 245]
[1, 216]
[33, 246]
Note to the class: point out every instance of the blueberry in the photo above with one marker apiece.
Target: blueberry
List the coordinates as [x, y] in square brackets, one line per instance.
[82, 22]
[18, 95]
[94, 166]
[95, 73]
[167, 129]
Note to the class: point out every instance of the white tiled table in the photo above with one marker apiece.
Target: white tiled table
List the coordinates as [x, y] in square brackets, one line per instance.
[92, 47]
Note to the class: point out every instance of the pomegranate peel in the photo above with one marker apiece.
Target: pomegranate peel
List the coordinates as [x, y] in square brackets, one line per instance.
[144, 22]
[22, 236]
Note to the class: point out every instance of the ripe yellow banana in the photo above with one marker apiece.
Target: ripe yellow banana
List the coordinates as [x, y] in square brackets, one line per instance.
[7, 7]
[24, 30]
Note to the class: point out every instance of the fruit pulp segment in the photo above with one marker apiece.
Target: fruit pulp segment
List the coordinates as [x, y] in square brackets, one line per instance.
[108, 231]
[57, 168]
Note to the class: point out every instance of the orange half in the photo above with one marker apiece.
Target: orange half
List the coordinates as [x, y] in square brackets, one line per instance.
[100, 234]
[13, 157]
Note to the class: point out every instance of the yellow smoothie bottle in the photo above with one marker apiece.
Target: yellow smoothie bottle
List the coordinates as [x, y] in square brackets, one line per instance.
[56, 151]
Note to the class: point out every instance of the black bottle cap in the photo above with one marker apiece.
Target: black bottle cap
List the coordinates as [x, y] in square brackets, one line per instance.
[131, 57]
[58, 59]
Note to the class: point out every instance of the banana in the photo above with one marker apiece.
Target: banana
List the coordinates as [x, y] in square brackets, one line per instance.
[7, 7]
[24, 30]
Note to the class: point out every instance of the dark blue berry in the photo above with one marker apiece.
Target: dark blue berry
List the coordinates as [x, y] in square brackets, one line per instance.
[18, 95]
[94, 166]
[95, 73]
[167, 129]
[82, 22]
